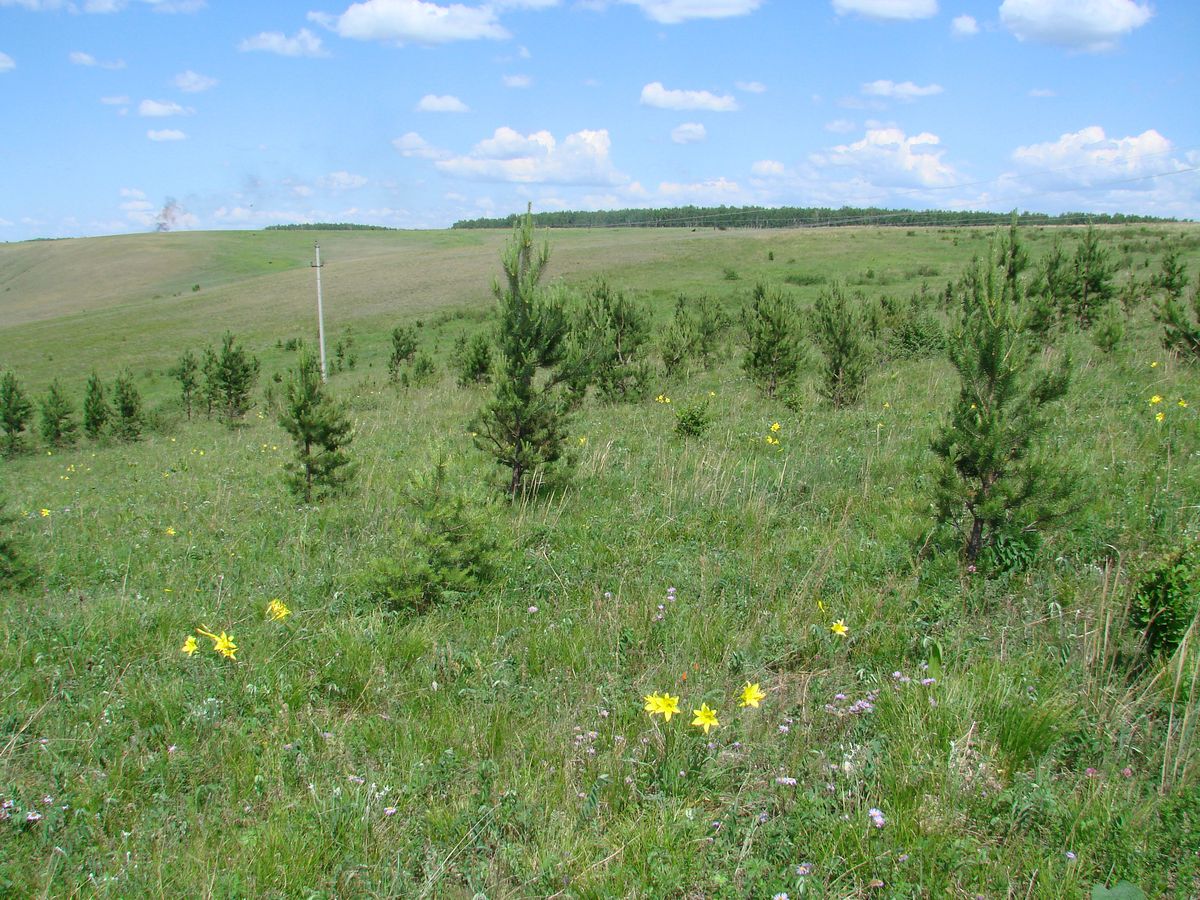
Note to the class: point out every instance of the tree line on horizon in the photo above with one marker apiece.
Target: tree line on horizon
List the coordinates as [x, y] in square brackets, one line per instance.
[723, 217]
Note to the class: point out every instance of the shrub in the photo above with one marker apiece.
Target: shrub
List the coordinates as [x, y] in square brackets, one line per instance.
[1167, 599]
[234, 376]
[693, 419]
[449, 551]
[96, 411]
[838, 331]
[422, 371]
[773, 349]
[127, 404]
[1109, 330]
[58, 425]
[473, 360]
[404, 348]
[608, 336]
[1092, 279]
[804, 279]
[15, 569]
[320, 431]
[15, 409]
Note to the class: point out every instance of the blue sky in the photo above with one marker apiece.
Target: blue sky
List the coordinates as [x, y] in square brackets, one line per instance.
[118, 115]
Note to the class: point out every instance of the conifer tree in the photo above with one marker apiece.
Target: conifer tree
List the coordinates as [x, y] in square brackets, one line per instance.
[211, 391]
[524, 424]
[15, 409]
[96, 411]
[404, 348]
[992, 478]
[773, 349]
[473, 360]
[187, 372]
[839, 333]
[127, 404]
[58, 425]
[1092, 282]
[16, 571]
[607, 338]
[320, 430]
[235, 374]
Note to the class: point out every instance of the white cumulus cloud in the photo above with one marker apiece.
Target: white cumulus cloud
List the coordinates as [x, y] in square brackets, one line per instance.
[79, 58]
[166, 134]
[654, 94]
[689, 133]
[341, 181]
[1089, 154]
[714, 190]
[964, 26]
[751, 87]
[887, 157]
[414, 146]
[768, 168]
[1091, 25]
[672, 12]
[193, 82]
[120, 100]
[538, 158]
[904, 90]
[158, 109]
[302, 43]
[415, 22]
[443, 103]
[840, 126]
[6, 63]
[887, 9]
[517, 81]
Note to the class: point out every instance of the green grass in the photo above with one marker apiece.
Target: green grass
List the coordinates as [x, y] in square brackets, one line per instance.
[511, 744]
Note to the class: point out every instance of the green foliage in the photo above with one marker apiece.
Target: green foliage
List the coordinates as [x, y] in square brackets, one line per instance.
[447, 553]
[992, 480]
[16, 571]
[320, 432]
[187, 372]
[917, 332]
[420, 372]
[693, 419]
[58, 425]
[127, 405]
[774, 349]
[472, 360]
[1092, 279]
[1167, 600]
[524, 425]
[96, 411]
[609, 334]
[1181, 331]
[234, 377]
[15, 410]
[211, 391]
[1110, 329]
[1172, 277]
[731, 274]
[344, 356]
[1122, 890]
[695, 332]
[839, 334]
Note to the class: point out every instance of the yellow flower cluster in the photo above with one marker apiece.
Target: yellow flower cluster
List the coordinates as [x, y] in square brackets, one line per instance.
[662, 398]
[222, 643]
[278, 610]
[705, 717]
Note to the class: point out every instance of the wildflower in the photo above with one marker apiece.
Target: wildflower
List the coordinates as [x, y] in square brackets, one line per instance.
[33, 816]
[1155, 399]
[583, 440]
[222, 643]
[1182, 403]
[1154, 365]
[189, 646]
[782, 895]
[664, 705]
[752, 695]
[45, 513]
[278, 610]
[662, 398]
[1159, 417]
[876, 817]
[785, 781]
[775, 427]
[389, 811]
[839, 628]
[804, 869]
[1091, 772]
[532, 610]
[784, 729]
[170, 531]
[1127, 772]
[705, 718]
[1069, 855]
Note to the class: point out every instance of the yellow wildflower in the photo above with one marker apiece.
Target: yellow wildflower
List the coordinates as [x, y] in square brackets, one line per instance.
[653, 701]
[752, 695]
[45, 513]
[1182, 403]
[668, 706]
[705, 718]
[1155, 399]
[277, 610]
[775, 427]
[839, 628]
[170, 531]
[189, 646]
[1160, 417]
[222, 643]
[1154, 365]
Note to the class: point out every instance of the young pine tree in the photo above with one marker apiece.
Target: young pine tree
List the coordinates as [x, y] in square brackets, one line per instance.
[473, 360]
[127, 404]
[16, 571]
[211, 390]
[839, 333]
[773, 349]
[1180, 332]
[96, 411]
[187, 372]
[235, 374]
[524, 425]
[608, 336]
[58, 425]
[321, 433]
[992, 479]
[404, 348]
[15, 410]
[1092, 282]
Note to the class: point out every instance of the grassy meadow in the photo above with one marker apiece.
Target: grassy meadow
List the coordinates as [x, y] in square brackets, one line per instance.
[972, 734]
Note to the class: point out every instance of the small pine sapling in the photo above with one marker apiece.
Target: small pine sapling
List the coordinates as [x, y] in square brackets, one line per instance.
[473, 360]
[320, 430]
[236, 373]
[774, 352]
[1180, 331]
[992, 480]
[187, 372]
[127, 404]
[15, 410]
[839, 333]
[16, 571]
[96, 411]
[404, 349]
[58, 425]
[211, 390]
[1092, 279]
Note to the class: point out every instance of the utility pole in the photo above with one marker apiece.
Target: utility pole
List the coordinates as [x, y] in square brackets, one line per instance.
[320, 313]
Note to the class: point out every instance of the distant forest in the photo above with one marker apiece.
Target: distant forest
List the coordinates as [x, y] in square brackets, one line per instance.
[328, 226]
[722, 217]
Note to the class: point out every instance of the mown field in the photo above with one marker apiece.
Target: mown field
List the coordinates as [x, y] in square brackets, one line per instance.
[996, 733]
